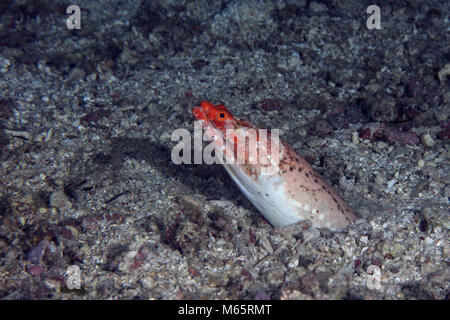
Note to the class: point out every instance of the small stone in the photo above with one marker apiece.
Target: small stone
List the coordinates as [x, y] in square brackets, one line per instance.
[53, 284]
[311, 234]
[77, 74]
[91, 77]
[36, 253]
[302, 132]
[35, 271]
[379, 179]
[444, 73]
[384, 109]
[441, 115]
[19, 134]
[420, 163]
[317, 7]
[322, 128]
[147, 282]
[394, 135]
[393, 250]
[4, 64]
[427, 140]
[266, 244]
[364, 239]
[374, 87]
[42, 210]
[347, 184]
[355, 137]
[70, 232]
[59, 200]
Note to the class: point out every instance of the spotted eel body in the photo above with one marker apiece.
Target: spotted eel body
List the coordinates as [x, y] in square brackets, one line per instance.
[285, 191]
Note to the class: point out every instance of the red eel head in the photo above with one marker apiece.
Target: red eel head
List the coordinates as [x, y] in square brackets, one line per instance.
[217, 115]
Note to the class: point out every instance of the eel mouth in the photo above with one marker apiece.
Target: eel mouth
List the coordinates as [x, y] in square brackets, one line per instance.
[199, 113]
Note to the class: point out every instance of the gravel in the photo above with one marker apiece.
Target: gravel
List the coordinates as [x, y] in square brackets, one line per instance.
[86, 118]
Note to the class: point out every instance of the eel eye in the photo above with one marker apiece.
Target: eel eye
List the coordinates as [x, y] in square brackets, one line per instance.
[221, 116]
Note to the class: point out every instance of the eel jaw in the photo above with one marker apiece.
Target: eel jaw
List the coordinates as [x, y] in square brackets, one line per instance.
[199, 114]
